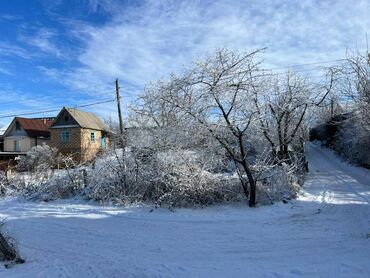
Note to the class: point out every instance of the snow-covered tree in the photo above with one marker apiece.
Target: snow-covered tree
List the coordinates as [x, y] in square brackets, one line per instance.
[283, 106]
[216, 95]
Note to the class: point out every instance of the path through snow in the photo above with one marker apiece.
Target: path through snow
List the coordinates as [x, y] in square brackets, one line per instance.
[325, 233]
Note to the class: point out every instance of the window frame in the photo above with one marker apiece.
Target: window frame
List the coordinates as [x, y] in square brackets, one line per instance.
[92, 136]
[65, 136]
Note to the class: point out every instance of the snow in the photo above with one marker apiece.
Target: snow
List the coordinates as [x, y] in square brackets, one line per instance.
[324, 233]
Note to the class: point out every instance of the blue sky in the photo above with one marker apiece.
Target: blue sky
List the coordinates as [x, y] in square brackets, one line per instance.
[67, 53]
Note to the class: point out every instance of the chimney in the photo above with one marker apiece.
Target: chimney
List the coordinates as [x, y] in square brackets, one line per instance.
[44, 121]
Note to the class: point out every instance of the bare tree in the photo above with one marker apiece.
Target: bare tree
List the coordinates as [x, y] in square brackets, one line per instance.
[217, 95]
[352, 139]
[283, 106]
[356, 84]
[281, 109]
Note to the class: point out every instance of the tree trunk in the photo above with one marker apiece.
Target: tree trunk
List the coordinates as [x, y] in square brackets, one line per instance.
[252, 184]
[252, 199]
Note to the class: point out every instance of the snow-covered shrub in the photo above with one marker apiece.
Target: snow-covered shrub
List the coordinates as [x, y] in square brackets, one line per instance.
[60, 184]
[171, 178]
[39, 158]
[167, 178]
[353, 141]
[277, 184]
[3, 184]
[65, 184]
[184, 183]
[45, 183]
[8, 250]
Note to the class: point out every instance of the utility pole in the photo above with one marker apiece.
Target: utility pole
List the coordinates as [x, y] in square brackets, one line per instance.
[119, 108]
[121, 137]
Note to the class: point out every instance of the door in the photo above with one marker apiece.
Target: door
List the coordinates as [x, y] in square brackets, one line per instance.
[103, 141]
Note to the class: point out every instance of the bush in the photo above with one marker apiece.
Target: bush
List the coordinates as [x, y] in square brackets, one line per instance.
[39, 158]
[166, 178]
[353, 142]
[65, 184]
[8, 251]
[277, 184]
[3, 184]
[169, 178]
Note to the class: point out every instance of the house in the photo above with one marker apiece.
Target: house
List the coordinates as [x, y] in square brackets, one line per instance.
[79, 133]
[22, 134]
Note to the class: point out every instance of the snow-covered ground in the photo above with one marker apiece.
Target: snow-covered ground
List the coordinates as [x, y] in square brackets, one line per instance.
[325, 233]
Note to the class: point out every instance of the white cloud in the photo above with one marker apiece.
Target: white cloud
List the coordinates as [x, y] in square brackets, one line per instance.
[4, 70]
[141, 43]
[25, 102]
[11, 50]
[43, 40]
[9, 17]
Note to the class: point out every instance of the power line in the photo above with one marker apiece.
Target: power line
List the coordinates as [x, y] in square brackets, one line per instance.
[28, 113]
[297, 70]
[308, 64]
[96, 103]
[56, 109]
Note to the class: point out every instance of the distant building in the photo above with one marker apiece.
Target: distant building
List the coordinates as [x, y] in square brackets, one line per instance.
[22, 134]
[79, 133]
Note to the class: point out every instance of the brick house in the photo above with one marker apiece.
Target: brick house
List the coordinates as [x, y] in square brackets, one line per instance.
[79, 133]
[22, 134]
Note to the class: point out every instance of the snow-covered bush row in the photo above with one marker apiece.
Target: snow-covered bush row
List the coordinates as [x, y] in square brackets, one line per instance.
[37, 177]
[352, 141]
[173, 178]
[166, 179]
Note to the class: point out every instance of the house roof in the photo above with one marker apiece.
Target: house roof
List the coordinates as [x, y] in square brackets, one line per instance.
[38, 127]
[86, 119]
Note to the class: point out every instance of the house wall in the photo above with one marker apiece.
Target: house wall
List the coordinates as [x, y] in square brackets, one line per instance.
[89, 149]
[80, 144]
[25, 143]
[73, 147]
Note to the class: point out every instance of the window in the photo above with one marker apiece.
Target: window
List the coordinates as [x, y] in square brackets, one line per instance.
[66, 118]
[17, 126]
[64, 136]
[92, 136]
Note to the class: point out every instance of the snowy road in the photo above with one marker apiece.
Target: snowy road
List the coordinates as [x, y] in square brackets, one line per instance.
[325, 233]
